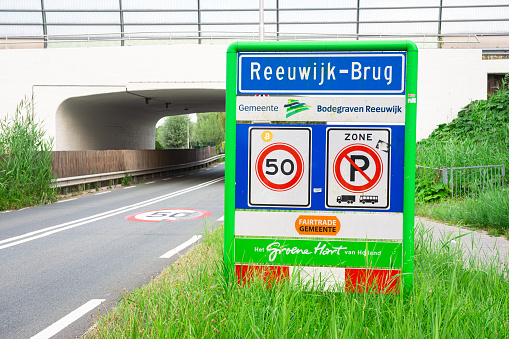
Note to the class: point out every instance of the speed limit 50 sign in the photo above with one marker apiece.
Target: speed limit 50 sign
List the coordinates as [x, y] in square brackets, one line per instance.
[279, 171]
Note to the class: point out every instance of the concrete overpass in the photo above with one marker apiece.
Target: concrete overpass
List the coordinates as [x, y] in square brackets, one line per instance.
[112, 97]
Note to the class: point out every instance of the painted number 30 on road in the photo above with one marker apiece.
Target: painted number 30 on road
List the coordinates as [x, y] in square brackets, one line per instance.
[279, 167]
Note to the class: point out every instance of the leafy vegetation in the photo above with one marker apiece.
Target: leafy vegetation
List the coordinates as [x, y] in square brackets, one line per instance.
[478, 136]
[453, 297]
[209, 129]
[430, 191]
[173, 132]
[25, 161]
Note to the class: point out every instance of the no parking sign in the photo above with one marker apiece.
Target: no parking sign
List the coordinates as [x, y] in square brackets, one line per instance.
[320, 168]
[358, 167]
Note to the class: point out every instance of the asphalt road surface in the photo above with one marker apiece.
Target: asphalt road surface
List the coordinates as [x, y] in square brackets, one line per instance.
[61, 263]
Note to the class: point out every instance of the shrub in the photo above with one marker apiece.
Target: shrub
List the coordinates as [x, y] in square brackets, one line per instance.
[25, 161]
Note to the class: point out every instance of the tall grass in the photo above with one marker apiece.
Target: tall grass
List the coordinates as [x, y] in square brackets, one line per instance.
[460, 153]
[490, 208]
[453, 297]
[25, 161]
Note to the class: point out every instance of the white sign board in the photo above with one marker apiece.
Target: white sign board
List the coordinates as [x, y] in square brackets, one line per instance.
[279, 167]
[358, 167]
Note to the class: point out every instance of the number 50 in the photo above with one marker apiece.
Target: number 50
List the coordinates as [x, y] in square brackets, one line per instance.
[287, 166]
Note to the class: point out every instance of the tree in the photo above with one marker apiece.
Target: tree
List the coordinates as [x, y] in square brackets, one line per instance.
[210, 127]
[173, 132]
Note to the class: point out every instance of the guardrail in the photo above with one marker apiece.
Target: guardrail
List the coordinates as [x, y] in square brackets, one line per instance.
[112, 177]
[470, 180]
[131, 38]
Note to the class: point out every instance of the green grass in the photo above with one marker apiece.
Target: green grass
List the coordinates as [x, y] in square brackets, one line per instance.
[452, 298]
[489, 211]
[25, 161]
[460, 153]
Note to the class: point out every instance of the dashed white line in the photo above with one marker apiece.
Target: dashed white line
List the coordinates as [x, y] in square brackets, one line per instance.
[66, 200]
[180, 176]
[68, 319]
[102, 192]
[167, 179]
[126, 188]
[150, 182]
[174, 251]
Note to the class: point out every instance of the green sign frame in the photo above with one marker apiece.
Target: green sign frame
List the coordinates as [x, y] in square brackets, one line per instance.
[410, 134]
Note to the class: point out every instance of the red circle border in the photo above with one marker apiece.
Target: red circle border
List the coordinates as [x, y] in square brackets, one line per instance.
[204, 215]
[342, 154]
[276, 147]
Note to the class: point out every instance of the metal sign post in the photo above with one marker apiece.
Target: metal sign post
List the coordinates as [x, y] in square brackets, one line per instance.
[320, 164]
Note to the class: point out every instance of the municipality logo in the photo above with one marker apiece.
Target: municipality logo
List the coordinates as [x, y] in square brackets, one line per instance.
[294, 107]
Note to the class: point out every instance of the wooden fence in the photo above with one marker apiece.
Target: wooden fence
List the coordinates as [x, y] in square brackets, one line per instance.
[74, 163]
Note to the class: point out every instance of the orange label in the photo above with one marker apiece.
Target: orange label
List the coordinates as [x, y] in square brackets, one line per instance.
[317, 225]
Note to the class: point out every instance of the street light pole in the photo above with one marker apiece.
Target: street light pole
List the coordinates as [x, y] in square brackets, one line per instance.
[262, 32]
[188, 118]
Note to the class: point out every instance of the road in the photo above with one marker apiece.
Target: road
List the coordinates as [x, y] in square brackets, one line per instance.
[62, 262]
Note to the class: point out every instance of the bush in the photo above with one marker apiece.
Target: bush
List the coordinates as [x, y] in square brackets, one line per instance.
[25, 161]
[478, 136]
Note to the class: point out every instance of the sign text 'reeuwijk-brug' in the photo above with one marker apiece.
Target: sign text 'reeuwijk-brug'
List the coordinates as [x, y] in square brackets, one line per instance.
[321, 73]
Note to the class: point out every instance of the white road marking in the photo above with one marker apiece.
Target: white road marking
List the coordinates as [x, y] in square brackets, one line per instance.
[102, 192]
[75, 223]
[68, 319]
[66, 200]
[6, 212]
[150, 182]
[174, 251]
[126, 188]
[167, 179]
[221, 219]
[180, 176]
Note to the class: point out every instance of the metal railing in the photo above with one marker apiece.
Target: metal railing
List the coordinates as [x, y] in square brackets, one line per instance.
[135, 38]
[203, 18]
[111, 177]
[471, 180]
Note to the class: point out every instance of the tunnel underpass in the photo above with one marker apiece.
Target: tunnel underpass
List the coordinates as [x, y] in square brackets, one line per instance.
[127, 119]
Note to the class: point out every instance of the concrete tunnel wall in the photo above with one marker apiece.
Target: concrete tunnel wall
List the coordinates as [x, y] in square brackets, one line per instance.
[80, 127]
[126, 120]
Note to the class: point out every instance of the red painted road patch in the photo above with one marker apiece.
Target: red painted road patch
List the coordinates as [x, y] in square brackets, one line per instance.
[169, 215]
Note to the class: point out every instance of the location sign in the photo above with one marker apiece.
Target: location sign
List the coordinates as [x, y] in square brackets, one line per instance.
[321, 73]
[320, 163]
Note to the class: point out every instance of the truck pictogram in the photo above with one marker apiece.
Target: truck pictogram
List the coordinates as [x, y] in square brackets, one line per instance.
[350, 199]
